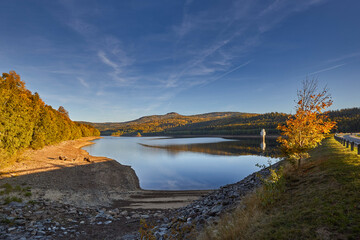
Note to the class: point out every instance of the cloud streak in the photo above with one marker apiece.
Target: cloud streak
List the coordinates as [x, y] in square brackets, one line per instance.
[83, 82]
[232, 70]
[231, 36]
[327, 69]
[107, 61]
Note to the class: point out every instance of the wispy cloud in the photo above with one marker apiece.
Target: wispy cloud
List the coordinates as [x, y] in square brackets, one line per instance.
[121, 61]
[232, 70]
[83, 82]
[82, 27]
[327, 69]
[107, 48]
[204, 46]
[231, 36]
[344, 57]
[278, 10]
[107, 61]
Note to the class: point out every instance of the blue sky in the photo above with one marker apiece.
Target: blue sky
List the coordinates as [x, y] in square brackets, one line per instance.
[120, 60]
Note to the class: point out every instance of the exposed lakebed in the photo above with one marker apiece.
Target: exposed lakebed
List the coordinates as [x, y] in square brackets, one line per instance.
[185, 163]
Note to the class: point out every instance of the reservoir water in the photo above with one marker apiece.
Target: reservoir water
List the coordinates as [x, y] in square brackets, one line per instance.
[186, 163]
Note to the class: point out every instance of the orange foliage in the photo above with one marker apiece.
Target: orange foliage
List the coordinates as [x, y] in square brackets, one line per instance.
[305, 130]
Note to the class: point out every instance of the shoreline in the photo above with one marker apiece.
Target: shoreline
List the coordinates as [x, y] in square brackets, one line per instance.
[101, 198]
[83, 180]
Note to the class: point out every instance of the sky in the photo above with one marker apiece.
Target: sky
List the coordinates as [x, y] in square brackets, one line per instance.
[110, 61]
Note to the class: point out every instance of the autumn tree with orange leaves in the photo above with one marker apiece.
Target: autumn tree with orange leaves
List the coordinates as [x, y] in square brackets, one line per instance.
[305, 130]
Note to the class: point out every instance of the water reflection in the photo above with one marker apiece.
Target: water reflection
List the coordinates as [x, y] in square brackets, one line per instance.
[263, 146]
[239, 147]
[186, 163]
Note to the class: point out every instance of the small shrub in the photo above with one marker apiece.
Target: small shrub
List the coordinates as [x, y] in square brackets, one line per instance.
[8, 200]
[27, 194]
[6, 221]
[32, 202]
[8, 188]
[146, 231]
[273, 186]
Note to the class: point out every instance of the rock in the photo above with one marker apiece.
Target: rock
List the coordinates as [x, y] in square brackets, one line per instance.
[129, 237]
[11, 229]
[159, 215]
[145, 216]
[72, 211]
[124, 213]
[16, 204]
[20, 222]
[107, 222]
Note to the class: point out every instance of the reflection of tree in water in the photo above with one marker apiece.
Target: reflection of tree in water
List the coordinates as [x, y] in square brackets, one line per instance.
[230, 148]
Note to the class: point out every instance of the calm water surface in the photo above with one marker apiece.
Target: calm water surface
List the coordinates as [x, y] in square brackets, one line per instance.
[184, 163]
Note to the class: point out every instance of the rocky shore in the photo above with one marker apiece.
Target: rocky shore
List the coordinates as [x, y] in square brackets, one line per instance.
[208, 209]
[49, 220]
[85, 197]
[61, 191]
[44, 219]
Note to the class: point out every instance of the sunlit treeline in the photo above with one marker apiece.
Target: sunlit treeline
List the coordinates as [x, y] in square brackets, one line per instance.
[26, 121]
[348, 120]
[236, 124]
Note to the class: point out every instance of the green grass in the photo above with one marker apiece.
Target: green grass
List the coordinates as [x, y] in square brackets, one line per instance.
[8, 200]
[7, 189]
[321, 201]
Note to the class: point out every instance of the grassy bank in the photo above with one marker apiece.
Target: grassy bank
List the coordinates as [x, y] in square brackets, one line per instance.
[320, 201]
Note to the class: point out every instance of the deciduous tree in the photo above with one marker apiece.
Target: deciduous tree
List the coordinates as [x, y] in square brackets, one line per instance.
[305, 130]
[25, 120]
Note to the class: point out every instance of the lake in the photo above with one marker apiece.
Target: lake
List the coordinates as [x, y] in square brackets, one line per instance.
[186, 163]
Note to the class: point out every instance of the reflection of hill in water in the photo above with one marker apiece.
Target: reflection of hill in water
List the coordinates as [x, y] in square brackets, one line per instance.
[230, 148]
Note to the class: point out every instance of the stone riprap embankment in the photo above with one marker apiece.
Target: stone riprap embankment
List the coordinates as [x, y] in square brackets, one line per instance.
[48, 220]
[209, 208]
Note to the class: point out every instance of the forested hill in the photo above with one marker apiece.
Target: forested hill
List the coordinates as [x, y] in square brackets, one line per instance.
[218, 123]
[233, 123]
[26, 121]
[348, 119]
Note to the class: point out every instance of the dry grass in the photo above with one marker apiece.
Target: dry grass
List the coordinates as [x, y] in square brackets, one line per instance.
[321, 201]
[7, 160]
[235, 225]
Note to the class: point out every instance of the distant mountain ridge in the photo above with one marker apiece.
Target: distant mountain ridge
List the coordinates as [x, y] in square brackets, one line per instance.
[217, 123]
[173, 115]
[172, 124]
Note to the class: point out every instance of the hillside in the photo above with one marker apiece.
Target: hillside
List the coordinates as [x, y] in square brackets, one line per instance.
[218, 123]
[27, 122]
